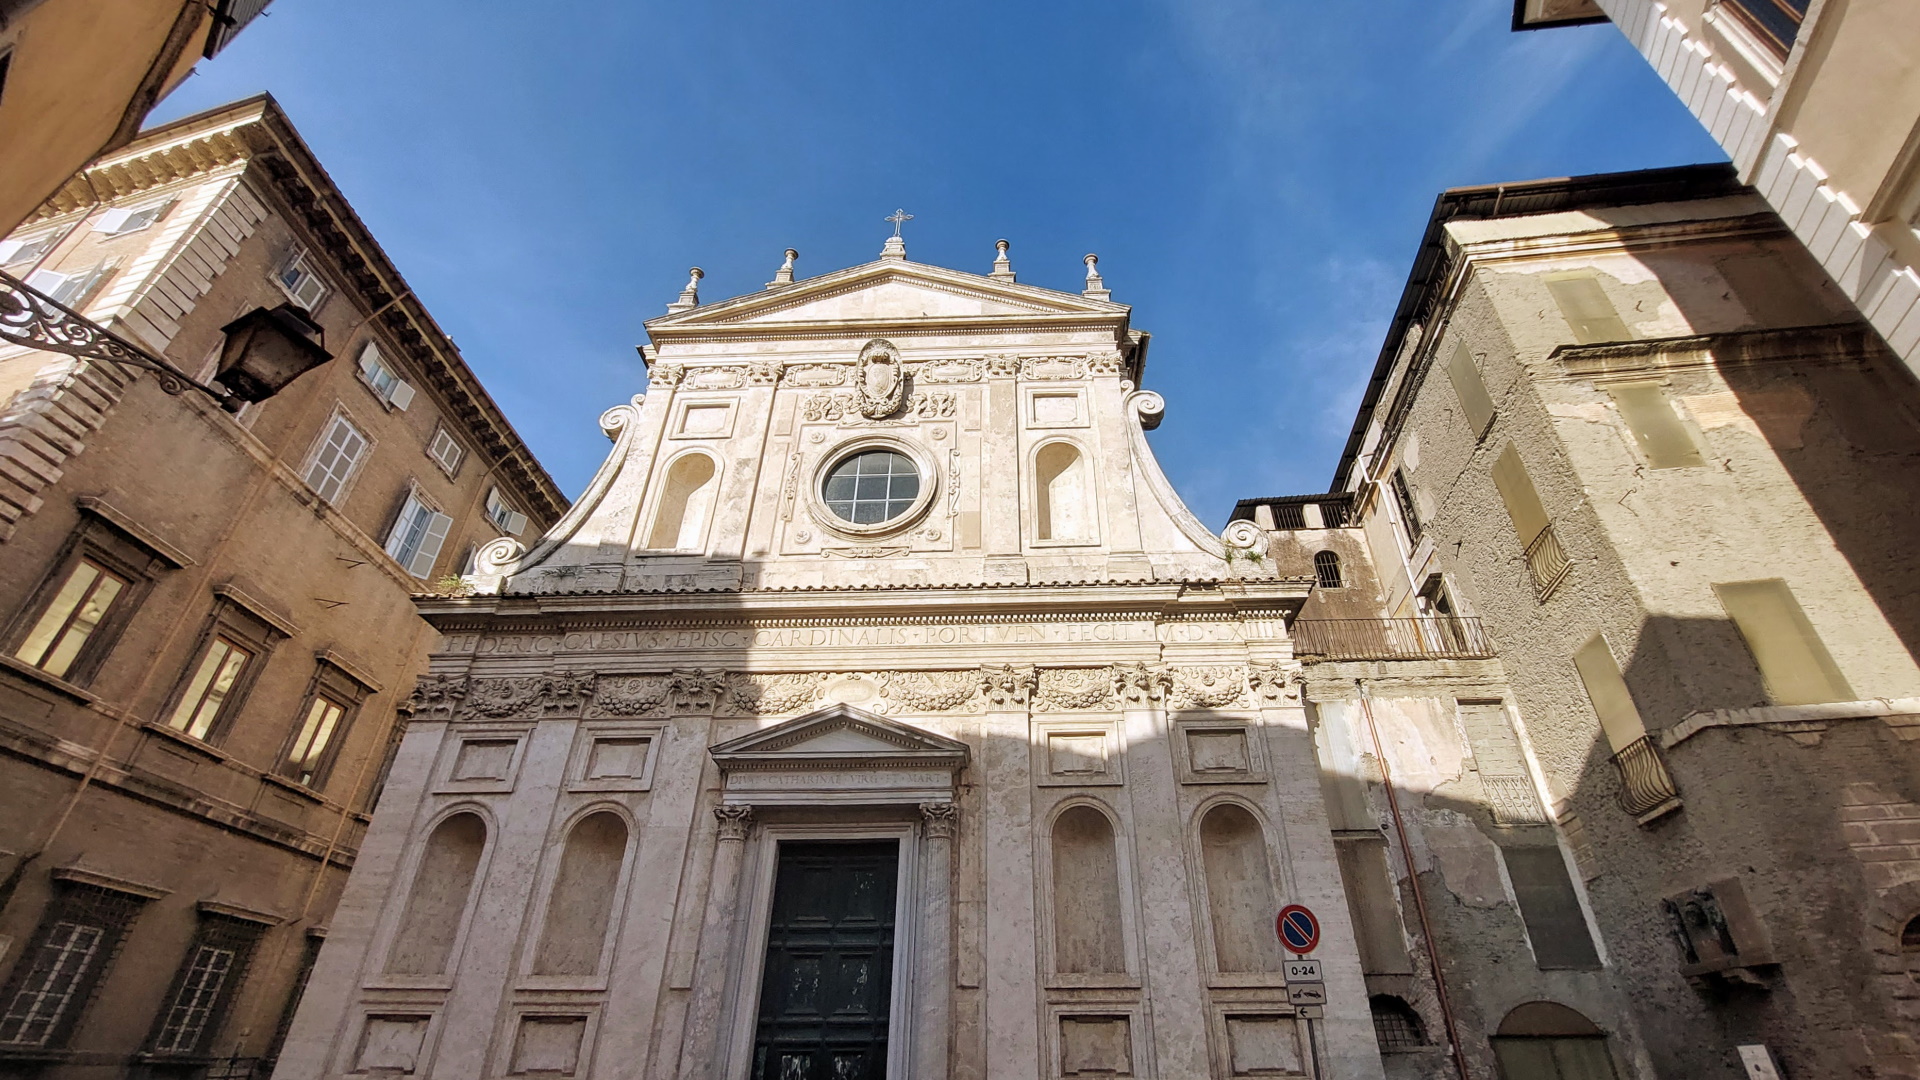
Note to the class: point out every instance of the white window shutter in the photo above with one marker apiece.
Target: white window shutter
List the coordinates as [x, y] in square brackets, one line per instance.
[403, 527]
[8, 249]
[369, 359]
[47, 281]
[516, 523]
[112, 221]
[437, 526]
[401, 395]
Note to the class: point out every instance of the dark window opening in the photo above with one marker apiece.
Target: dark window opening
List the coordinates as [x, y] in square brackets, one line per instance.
[205, 987]
[1776, 21]
[1409, 513]
[1289, 515]
[55, 977]
[1395, 1025]
[1326, 570]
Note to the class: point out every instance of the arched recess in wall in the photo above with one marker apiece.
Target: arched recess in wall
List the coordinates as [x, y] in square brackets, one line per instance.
[581, 906]
[1086, 894]
[437, 903]
[1240, 898]
[685, 504]
[1062, 494]
[1548, 1040]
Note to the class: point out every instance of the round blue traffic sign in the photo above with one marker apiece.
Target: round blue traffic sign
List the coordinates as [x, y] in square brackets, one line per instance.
[1299, 930]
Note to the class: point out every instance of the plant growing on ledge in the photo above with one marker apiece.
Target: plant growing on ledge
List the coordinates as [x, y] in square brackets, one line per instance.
[453, 585]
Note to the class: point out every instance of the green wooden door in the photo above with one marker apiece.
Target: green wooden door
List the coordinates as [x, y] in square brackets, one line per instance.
[829, 968]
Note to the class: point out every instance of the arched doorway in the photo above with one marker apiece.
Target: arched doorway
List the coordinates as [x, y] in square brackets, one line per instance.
[1543, 1040]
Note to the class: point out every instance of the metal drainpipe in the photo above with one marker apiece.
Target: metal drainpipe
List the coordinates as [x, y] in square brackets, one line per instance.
[1413, 882]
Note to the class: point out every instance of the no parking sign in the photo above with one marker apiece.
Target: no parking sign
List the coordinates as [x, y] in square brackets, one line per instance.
[1298, 929]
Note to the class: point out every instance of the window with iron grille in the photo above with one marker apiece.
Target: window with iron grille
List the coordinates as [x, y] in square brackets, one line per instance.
[1289, 515]
[1326, 570]
[74, 945]
[1395, 1024]
[1334, 515]
[204, 988]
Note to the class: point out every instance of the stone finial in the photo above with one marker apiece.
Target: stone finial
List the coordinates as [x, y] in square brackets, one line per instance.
[689, 296]
[1002, 266]
[784, 275]
[1096, 288]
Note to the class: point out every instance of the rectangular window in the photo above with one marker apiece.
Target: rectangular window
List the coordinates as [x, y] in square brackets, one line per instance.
[70, 620]
[1550, 909]
[338, 456]
[1607, 689]
[417, 536]
[381, 378]
[1584, 303]
[56, 972]
[502, 514]
[1657, 429]
[446, 450]
[119, 222]
[73, 289]
[203, 988]
[207, 692]
[1794, 662]
[1516, 490]
[298, 279]
[1475, 402]
[1409, 512]
[1372, 905]
[21, 252]
[307, 755]
[1777, 21]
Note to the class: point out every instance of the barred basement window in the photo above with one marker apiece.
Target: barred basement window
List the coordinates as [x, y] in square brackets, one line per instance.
[77, 940]
[1326, 570]
[206, 984]
[1395, 1025]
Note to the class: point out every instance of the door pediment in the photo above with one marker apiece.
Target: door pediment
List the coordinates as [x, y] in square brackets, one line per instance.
[839, 755]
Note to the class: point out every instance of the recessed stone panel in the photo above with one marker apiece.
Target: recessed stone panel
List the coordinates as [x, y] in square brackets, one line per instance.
[1263, 1045]
[548, 1046]
[1096, 1046]
[391, 1044]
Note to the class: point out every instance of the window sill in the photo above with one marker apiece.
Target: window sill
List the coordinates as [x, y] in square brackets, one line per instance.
[51, 682]
[294, 787]
[181, 738]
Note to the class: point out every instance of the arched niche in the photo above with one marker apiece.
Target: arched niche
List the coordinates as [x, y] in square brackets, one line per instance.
[1087, 937]
[684, 507]
[1240, 899]
[1549, 1041]
[580, 908]
[1062, 494]
[437, 904]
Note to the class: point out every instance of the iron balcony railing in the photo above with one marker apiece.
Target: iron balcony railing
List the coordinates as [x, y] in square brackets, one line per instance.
[1434, 638]
[1547, 562]
[1646, 788]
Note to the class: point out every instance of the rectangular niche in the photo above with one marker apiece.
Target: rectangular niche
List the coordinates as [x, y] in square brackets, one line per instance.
[1096, 1045]
[484, 760]
[704, 420]
[1056, 409]
[392, 1043]
[548, 1044]
[1077, 753]
[614, 756]
[1260, 1043]
[1219, 752]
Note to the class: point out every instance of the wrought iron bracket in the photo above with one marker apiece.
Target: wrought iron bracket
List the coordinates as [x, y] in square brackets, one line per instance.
[34, 320]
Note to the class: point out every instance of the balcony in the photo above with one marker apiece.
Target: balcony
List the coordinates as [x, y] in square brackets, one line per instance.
[1547, 562]
[1435, 638]
[1646, 788]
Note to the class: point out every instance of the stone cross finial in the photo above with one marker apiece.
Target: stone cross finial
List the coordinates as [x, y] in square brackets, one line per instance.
[1096, 288]
[689, 296]
[896, 246]
[784, 275]
[1002, 266]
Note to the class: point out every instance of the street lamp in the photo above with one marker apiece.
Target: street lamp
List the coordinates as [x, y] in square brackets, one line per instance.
[265, 349]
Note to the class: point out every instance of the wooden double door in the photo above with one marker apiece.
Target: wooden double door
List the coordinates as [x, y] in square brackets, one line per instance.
[828, 979]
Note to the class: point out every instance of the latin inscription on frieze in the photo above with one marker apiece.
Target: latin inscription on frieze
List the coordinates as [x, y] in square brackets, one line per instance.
[828, 637]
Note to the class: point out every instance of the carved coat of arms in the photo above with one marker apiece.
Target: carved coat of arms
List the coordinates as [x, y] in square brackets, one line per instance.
[881, 380]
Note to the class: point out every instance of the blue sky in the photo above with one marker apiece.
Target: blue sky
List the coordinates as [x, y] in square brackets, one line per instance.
[1255, 174]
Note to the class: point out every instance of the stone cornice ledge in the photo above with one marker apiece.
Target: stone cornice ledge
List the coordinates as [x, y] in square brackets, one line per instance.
[1903, 714]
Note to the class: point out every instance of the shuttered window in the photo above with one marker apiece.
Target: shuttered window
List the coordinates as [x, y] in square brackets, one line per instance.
[1475, 402]
[381, 378]
[1657, 429]
[339, 454]
[1793, 661]
[417, 536]
[1550, 908]
[1516, 490]
[1619, 717]
[1584, 304]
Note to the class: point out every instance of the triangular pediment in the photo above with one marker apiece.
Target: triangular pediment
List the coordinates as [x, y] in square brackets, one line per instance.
[840, 732]
[888, 291]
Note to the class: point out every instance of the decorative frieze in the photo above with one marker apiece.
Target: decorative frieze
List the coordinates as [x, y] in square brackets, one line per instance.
[813, 375]
[763, 373]
[1008, 685]
[558, 693]
[844, 408]
[929, 691]
[1074, 688]
[1142, 684]
[967, 369]
[436, 697]
[1207, 687]
[666, 374]
[1273, 683]
[1053, 367]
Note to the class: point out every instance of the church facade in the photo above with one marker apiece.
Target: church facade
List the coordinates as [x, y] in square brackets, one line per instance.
[879, 711]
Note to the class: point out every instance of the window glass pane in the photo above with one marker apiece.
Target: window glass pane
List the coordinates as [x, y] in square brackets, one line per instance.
[334, 463]
[62, 630]
[212, 681]
[409, 529]
[40, 639]
[872, 487]
[1657, 431]
[310, 745]
[1777, 19]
